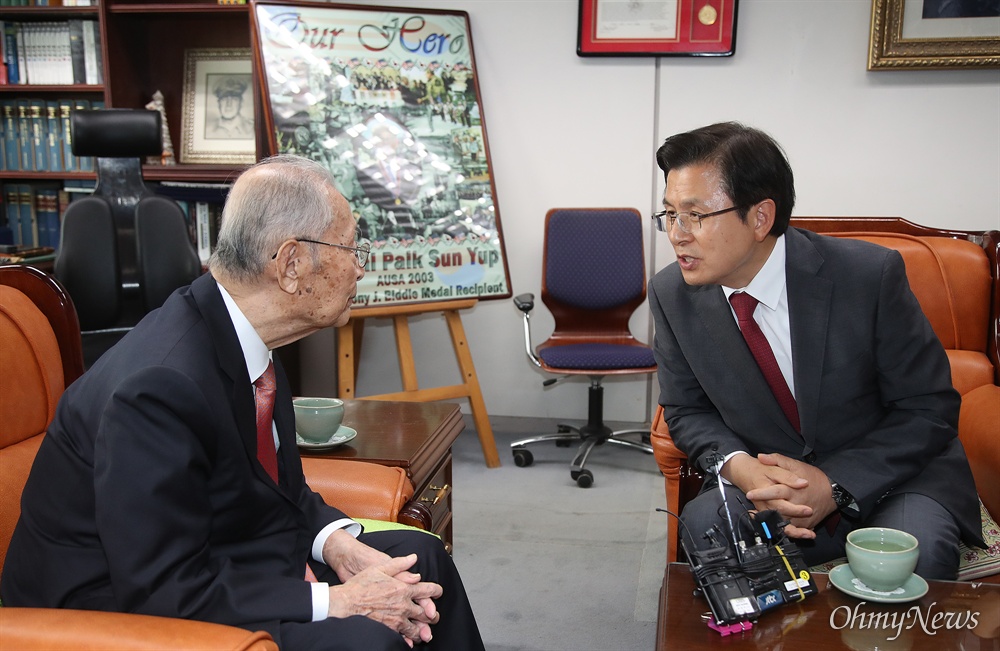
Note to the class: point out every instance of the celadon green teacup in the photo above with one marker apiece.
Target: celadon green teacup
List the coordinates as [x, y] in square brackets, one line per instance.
[318, 419]
[882, 558]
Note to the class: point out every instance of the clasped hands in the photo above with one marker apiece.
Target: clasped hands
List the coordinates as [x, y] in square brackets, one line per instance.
[381, 588]
[798, 491]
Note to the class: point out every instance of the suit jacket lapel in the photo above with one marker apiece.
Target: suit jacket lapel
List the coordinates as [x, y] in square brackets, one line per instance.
[284, 420]
[233, 364]
[809, 297]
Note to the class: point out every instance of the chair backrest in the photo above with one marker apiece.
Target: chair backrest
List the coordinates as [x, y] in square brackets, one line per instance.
[166, 258]
[124, 249]
[953, 274]
[88, 262]
[40, 354]
[594, 270]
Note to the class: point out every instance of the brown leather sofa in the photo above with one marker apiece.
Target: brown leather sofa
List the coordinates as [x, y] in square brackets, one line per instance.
[954, 275]
[40, 354]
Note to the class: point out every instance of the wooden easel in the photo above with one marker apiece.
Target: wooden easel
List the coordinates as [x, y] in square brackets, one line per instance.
[349, 341]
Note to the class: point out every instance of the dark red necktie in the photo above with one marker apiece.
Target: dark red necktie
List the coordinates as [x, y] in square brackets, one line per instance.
[744, 304]
[266, 454]
[264, 397]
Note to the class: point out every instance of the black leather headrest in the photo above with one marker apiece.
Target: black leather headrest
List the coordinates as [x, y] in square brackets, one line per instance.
[116, 133]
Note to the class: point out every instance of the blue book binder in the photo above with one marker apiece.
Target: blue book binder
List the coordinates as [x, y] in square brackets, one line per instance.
[29, 227]
[53, 137]
[47, 215]
[9, 117]
[39, 145]
[12, 199]
[27, 163]
[10, 52]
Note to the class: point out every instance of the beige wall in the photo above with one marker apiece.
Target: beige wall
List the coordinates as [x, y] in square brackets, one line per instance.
[567, 131]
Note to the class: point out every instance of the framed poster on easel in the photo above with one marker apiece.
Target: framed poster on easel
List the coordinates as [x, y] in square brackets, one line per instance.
[388, 99]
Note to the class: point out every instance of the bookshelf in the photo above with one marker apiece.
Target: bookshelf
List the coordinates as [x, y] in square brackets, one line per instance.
[145, 44]
[142, 46]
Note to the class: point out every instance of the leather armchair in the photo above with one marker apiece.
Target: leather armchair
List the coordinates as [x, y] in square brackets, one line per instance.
[40, 339]
[954, 275]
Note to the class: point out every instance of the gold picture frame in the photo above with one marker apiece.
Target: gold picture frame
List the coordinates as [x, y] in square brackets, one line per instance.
[903, 38]
[217, 117]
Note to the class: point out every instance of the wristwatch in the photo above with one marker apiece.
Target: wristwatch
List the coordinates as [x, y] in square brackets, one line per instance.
[846, 503]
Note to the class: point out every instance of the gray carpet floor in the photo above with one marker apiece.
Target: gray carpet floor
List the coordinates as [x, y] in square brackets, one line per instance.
[550, 566]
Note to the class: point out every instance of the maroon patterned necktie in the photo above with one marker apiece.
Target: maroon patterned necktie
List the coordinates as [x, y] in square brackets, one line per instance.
[744, 304]
[264, 397]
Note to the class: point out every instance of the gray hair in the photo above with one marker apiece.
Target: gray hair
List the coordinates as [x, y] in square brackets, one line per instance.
[278, 198]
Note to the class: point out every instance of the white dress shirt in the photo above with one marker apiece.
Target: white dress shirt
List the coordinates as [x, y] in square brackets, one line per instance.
[771, 314]
[257, 357]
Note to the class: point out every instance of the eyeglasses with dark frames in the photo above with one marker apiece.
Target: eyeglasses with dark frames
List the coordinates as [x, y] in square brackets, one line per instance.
[361, 251]
[688, 222]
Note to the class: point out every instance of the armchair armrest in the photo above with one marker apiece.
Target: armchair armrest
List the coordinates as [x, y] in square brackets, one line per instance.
[360, 489]
[681, 480]
[58, 629]
[670, 460]
[979, 431]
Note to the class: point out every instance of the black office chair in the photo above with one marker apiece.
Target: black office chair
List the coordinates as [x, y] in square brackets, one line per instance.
[124, 249]
[593, 279]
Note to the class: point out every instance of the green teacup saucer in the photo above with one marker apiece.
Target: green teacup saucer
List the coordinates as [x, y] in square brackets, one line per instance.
[341, 436]
[844, 580]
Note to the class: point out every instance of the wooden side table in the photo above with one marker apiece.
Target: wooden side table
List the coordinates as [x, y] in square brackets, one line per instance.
[415, 436]
[952, 615]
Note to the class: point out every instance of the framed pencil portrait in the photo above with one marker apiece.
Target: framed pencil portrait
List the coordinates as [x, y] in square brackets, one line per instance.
[657, 28]
[217, 117]
[934, 34]
[388, 100]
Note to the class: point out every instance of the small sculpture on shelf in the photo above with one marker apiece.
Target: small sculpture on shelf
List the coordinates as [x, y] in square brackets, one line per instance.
[167, 157]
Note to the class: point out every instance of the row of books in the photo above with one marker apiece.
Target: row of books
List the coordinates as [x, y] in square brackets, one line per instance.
[35, 135]
[202, 205]
[203, 225]
[51, 53]
[33, 213]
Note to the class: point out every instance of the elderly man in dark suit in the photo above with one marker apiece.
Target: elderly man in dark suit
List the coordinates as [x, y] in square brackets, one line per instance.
[169, 482]
[802, 363]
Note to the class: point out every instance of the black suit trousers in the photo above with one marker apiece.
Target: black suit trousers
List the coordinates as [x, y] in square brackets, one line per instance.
[930, 523]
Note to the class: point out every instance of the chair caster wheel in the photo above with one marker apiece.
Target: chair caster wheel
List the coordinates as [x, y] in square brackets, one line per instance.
[564, 429]
[584, 478]
[523, 457]
[563, 444]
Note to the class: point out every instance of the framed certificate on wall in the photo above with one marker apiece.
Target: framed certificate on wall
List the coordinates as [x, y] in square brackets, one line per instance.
[657, 28]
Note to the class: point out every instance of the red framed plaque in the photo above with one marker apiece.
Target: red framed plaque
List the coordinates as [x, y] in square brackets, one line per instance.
[657, 28]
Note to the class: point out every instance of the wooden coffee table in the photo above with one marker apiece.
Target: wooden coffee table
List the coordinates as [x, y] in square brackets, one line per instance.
[960, 616]
[415, 436]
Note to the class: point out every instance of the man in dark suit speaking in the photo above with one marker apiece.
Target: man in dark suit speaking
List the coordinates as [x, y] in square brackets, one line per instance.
[802, 363]
[169, 482]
